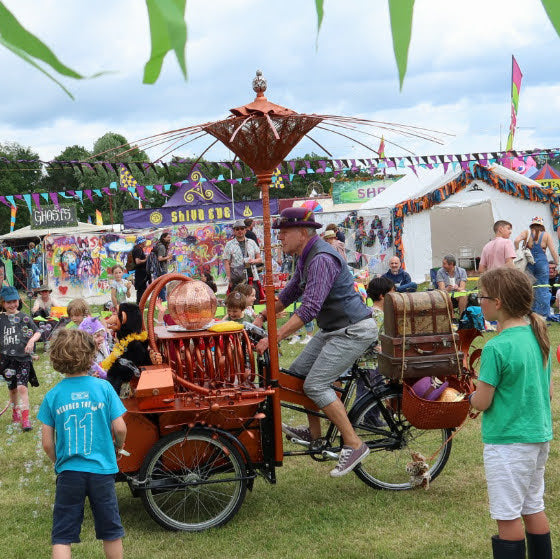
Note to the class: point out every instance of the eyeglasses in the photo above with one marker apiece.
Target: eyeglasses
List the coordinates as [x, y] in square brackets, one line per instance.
[480, 297]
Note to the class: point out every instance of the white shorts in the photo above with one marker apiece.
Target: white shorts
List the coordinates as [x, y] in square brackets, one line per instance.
[515, 478]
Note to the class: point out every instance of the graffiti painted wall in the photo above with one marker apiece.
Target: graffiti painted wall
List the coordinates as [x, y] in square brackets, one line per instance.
[80, 265]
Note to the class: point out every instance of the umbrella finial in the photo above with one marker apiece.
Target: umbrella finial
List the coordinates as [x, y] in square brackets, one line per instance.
[259, 84]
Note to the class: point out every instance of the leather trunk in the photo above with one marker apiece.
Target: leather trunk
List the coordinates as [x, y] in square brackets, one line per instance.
[417, 314]
[420, 366]
[416, 346]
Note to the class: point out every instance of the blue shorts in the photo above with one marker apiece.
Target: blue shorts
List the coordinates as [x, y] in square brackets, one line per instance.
[72, 488]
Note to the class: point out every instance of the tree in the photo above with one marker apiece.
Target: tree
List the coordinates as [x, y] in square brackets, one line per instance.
[17, 178]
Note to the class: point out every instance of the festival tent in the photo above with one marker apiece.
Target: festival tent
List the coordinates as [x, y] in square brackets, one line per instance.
[29, 233]
[463, 206]
[547, 172]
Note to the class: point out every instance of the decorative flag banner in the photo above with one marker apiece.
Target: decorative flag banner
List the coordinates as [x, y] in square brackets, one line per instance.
[512, 159]
[381, 150]
[516, 77]
[89, 219]
[98, 218]
[277, 180]
[128, 182]
[13, 212]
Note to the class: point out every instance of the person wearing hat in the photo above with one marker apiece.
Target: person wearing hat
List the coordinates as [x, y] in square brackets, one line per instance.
[326, 287]
[18, 334]
[330, 237]
[241, 256]
[140, 275]
[537, 241]
[44, 303]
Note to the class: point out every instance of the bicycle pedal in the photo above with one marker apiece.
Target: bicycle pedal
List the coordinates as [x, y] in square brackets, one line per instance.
[295, 440]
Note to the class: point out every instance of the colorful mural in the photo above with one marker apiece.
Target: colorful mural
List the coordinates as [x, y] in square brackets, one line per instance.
[80, 265]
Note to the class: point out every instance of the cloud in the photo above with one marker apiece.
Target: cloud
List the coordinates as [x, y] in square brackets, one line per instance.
[458, 78]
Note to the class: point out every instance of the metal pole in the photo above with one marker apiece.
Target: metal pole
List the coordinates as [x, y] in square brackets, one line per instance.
[263, 181]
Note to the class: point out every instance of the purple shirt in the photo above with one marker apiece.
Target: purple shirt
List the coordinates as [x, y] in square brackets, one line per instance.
[321, 274]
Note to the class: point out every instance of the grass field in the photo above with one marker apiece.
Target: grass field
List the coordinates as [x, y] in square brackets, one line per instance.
[306, 514]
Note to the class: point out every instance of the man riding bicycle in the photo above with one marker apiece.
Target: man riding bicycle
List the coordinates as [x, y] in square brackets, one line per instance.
[323, 281]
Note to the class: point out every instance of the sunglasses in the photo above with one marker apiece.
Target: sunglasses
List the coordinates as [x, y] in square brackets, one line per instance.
[239, 228]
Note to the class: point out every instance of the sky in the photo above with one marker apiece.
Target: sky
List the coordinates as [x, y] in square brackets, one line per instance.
[458, 80]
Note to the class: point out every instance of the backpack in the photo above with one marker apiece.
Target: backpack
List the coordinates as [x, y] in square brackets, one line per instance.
[153, 269]
[130, 264]
[472, 318]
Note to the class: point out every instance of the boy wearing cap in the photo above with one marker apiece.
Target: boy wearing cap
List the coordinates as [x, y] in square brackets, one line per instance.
[18, 334]
[241, 256]
[326, 288]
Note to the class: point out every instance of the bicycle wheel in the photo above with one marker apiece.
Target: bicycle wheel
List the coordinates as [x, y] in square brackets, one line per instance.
[380, 423]
[195, 481]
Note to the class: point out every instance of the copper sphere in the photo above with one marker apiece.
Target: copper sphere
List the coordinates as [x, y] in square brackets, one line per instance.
[192, 304]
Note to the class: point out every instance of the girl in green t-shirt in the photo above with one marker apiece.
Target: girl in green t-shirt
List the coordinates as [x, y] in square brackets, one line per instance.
[514, 392]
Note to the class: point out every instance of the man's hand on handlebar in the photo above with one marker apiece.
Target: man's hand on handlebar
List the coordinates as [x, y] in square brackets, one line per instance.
[262, 346]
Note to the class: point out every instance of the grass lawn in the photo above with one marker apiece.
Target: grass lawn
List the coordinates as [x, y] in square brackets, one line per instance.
[306, 514]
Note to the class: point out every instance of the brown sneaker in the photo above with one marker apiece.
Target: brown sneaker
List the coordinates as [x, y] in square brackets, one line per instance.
[349, 458]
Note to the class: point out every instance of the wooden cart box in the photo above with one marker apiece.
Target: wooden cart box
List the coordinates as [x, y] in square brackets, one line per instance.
[155, 387]
[422, 313]
[421, 366]
[415, 346]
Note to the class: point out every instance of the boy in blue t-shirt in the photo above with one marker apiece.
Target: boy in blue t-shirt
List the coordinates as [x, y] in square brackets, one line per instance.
[85, 413]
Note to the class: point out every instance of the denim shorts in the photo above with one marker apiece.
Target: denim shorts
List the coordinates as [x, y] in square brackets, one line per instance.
[72, 488]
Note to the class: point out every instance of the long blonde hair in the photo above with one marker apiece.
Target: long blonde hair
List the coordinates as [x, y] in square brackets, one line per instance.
[515, 291]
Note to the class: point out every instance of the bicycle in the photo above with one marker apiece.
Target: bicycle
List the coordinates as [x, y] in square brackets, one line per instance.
[378, 420]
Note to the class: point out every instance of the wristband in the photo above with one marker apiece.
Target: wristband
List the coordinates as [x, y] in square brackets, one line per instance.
[470, 397]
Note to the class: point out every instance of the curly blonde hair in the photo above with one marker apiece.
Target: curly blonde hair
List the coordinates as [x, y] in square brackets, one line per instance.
[72, 352]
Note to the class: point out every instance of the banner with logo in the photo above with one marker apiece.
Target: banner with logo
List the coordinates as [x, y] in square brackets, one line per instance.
[356, 191]
[185, 215]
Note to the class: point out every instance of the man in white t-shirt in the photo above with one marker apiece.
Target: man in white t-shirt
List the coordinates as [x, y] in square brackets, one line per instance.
[499, 251]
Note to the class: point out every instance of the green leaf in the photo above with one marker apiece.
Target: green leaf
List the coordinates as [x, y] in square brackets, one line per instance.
[168, 31]
[320, 14]
[552, 8]
[401, 27]
[27, 58]
[21, 40]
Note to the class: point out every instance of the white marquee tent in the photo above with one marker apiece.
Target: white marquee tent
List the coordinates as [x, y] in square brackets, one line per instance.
[463, 221]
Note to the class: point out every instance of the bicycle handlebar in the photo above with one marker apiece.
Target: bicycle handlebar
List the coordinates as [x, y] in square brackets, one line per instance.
[256, 334]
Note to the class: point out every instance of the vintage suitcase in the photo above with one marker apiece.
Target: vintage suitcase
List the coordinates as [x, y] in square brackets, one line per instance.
[421, 366]
[155, 388]
[415, 346]
[425, 313]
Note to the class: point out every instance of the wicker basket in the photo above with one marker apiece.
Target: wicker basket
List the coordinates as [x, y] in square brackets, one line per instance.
[428, 414]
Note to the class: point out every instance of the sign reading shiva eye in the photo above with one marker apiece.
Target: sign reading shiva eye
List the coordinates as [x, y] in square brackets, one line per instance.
[48, 217]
